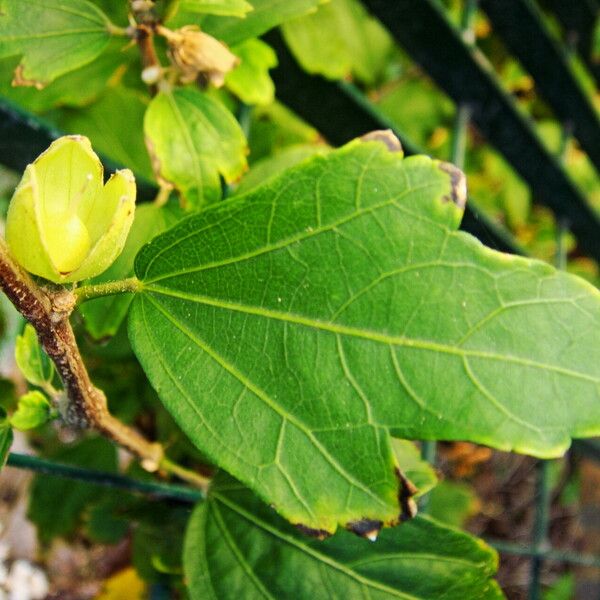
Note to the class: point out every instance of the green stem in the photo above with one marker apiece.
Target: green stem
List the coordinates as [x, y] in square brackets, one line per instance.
[184, 474]
[119, 31]
[113, 480]
[122, 286]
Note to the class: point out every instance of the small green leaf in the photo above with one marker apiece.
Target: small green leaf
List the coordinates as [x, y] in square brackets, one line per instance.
[6, 437]
[53, 37]
[227, 8]
[31, 359]
[234, 533]
[339, 40]
[193, 139]
[103, 316]
[419, 471]
[266, 15]
[32, 411]
[250, 80]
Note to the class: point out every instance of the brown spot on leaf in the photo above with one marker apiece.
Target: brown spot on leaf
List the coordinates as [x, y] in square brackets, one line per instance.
[385, 136]
[19, 80]
[458, 183]
[366, 528]
[408, 507]
[320, 534]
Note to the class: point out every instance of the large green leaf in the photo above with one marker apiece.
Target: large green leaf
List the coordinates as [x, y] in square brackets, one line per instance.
[193, 139]
[266, 15]
[234, 533]
[289, 330]
[53, 37]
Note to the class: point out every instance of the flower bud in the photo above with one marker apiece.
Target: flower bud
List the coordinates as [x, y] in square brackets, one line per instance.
[63, 223]
[195, 53]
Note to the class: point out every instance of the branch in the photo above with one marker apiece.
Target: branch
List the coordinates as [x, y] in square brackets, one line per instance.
[48, 310]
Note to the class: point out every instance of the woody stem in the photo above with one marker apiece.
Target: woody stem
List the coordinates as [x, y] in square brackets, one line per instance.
[48, 311]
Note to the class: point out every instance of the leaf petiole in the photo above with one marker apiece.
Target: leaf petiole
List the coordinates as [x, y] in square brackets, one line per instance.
[122, 286]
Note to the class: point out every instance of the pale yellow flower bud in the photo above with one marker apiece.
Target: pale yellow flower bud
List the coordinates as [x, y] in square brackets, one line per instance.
[63, 223]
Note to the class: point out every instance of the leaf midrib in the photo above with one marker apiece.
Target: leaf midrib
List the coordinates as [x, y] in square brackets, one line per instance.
[366, 334]
[259, 393]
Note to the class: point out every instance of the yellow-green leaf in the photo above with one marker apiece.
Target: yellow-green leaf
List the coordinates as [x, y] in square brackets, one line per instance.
[32, 411]
[193, 139]
[31, 359]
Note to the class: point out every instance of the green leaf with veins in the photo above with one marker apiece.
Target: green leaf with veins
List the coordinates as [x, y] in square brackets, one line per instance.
[78, 88]
[193, 139]
[291, 329]
[234, 532]
[52, 37]
[250, 80]
[266, 15]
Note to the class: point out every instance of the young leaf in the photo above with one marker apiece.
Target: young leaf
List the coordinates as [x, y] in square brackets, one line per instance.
[32, 411]
[6, 437]
[234, 532]
[250, 80]
[193, 138]
[266, 15]
[290, 329]
[53, 37]
[31, 359]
